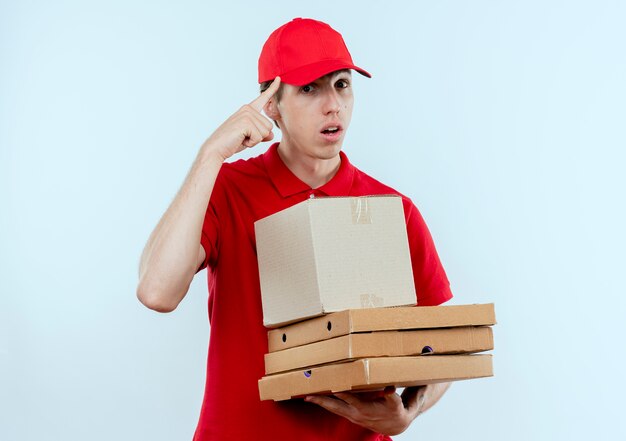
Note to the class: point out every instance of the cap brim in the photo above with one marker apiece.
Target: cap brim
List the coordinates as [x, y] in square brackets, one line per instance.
[307, 74]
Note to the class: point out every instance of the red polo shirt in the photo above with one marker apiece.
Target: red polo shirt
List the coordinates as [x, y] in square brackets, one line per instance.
[245, 191]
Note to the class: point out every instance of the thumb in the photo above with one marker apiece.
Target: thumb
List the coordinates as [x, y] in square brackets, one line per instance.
[269, 137]
[410, 397]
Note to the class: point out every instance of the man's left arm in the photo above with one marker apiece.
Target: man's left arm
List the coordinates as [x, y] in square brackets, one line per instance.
[387, 413]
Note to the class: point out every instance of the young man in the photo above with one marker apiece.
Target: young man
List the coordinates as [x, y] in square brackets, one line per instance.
[210, 224]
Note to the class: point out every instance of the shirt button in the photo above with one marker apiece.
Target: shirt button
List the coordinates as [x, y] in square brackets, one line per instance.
[311, 196]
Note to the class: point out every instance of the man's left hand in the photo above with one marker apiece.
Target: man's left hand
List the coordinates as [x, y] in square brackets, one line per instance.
[387, 413]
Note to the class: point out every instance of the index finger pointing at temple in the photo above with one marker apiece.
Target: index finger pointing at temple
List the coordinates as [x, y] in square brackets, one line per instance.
[262, 100]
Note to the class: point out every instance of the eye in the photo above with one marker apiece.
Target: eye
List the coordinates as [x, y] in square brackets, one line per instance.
[307, 89]
[342, 84]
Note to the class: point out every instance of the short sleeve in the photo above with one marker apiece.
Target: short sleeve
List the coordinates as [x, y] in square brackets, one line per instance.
[209, 239]
[431, 282]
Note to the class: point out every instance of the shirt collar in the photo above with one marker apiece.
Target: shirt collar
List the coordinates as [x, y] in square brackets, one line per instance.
[289, 184]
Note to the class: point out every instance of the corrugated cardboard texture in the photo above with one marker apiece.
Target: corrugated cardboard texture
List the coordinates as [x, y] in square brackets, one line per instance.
[379, 319]
[374, 373]
[381, 344]
[332, 254]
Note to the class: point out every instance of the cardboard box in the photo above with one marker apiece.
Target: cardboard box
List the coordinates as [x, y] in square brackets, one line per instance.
[379, 319]
[467, 339]
[375, 373]
[335, 253]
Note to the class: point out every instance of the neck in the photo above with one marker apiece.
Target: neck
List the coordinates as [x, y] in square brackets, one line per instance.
[313, 171]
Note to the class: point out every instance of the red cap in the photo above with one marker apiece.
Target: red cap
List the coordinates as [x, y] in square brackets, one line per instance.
[302, 51]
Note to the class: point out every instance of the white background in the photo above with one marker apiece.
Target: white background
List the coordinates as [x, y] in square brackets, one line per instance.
[503, 121]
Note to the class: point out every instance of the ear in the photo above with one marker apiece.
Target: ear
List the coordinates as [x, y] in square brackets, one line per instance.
[271, 109]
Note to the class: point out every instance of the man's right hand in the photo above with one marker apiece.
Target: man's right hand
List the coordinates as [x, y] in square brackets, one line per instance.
[245, 128]
[173, 252]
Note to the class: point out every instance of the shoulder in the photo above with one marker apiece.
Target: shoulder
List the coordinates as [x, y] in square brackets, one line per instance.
[242, 174]
[365, 184]
[242, 168]
[239, 178]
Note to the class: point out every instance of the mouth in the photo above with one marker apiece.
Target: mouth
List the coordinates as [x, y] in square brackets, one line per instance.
[332, 132]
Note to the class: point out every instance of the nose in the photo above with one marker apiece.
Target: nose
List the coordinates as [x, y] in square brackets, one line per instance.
[332, 102]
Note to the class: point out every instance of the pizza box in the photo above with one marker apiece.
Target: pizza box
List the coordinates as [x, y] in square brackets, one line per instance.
[379, 319]
[374, 373]
[467, 339]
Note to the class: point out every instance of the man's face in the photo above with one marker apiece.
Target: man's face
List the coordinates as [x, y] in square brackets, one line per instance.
[309, 113]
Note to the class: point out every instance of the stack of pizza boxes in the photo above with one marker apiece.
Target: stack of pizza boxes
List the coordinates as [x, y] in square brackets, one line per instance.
[338, 292]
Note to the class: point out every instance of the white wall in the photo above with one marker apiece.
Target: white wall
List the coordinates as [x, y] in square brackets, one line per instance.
[504, 121]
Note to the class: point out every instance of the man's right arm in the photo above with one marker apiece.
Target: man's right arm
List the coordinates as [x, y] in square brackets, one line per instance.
[173, 252]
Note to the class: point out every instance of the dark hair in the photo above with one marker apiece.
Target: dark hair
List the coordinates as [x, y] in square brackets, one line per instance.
[265, 85]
